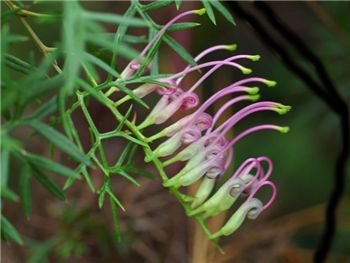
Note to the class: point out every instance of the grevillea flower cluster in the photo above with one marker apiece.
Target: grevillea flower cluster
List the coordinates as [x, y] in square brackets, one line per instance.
[200, 141]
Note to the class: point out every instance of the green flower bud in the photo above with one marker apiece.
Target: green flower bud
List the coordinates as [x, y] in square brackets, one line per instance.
[203, 191]
[250, 209]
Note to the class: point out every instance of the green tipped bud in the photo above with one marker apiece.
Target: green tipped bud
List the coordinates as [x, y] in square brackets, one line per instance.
[254, 97]
[204, 190]
[236, 220]
[246, 71]
[231, 47]
[270, 83]
[253, 90]
[201, 11]
[254, 58]
[284, 129]
[283, 109]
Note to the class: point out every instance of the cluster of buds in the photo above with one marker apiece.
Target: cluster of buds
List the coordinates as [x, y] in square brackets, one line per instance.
[201, 143]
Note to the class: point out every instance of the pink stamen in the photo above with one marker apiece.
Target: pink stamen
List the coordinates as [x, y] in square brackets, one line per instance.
[225, 106]
[233, 120]
[270, 167]
[212, 70]
[164, 28]
[201, 55]
[261, 184]
[249, 131]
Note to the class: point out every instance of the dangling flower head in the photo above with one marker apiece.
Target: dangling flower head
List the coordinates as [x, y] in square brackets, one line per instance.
[201, 143]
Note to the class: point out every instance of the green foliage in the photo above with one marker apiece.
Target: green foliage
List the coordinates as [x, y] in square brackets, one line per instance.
[42, 97]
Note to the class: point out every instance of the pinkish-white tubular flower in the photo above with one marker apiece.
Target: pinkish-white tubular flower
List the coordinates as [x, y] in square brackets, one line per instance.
[220, 132]
[185, 136]
[148, 88]
[188, 121]
[206, 52]
[251, 208]
[189, 99]
[130, 69]
[227, 194]
[210, 160]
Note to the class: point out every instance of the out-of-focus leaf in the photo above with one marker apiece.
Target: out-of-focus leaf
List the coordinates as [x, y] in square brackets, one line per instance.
[138, 171]
[114, 19]
[222, 9]
[119, 36]
[53, 188]
[182, 26]
[7, 229]
[88, 179]
[49, 165]
[21, 65]
[115, 219]
[38, 88]
[123, 50]
[156, 5]
[46, 109]
[101, 64]
[178, 4]
[209, 11]
[101, 198]
[5, 162]
[128, 177]
[59, 140]
[180, 50]
[25, 189]
[114, 198]
[9, 194]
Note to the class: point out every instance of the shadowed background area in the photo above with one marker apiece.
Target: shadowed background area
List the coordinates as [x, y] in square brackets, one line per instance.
[154, 226]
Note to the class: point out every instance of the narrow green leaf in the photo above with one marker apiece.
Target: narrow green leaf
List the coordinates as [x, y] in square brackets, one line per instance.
[130, 39]
[8, 194]
[95, 92]
[156, 5]
[16, 67]
[180, 50]
[124, 154]
[131, 157]
[101, 198]
[88, 179]
[209, 11]
[118, 36]
[132, 95]
[130, 138]
[21, 63]
[8, 229]
[114, 19]
[122, 122]
[101, 64]
[115, 219]
[25, 189]
[5, 163]
[222, 9]
[128, 177]
[59, 140]
[45, 109]
[53, 188]
[49, 165]
[178, 4]
[114, 198]
[182, 26]
[138, 171]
